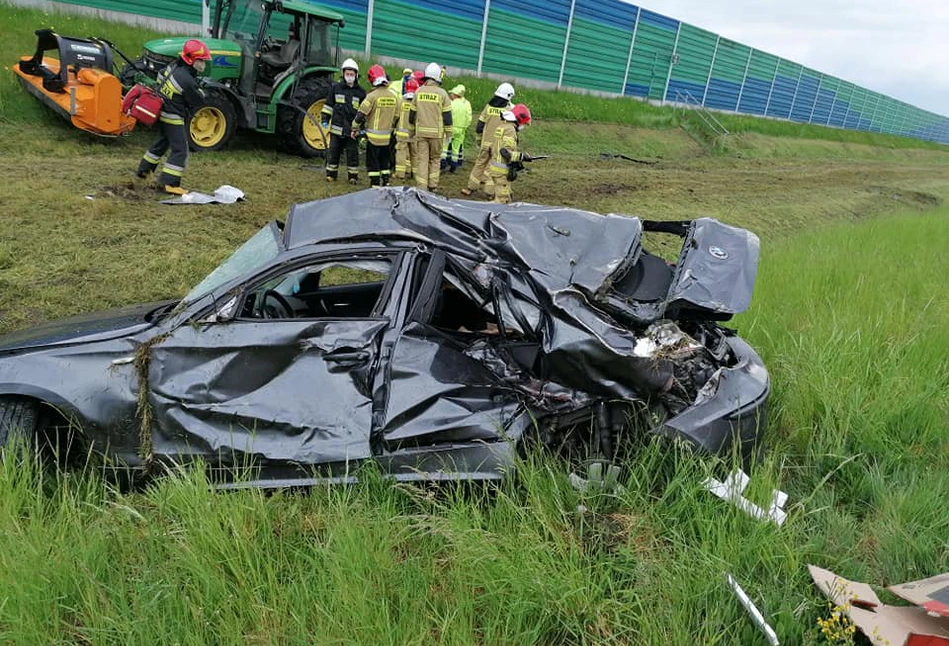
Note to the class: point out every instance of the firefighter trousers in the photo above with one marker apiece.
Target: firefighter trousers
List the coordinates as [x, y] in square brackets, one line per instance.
[404, 159]
[174, 136]
[502, 188]
[479, 174]
[377, 163]
[429, 152]
[338, 144]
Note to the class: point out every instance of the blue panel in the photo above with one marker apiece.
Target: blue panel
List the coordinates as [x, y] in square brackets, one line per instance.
[852, 120]
[825, 99]
[471, 9]
[633, 89]
[658, 20]
[357, 6]
[840, 110]
[806, 93]
[863, 124]
[611, 13]
[754, 97]
[722, 95]
[782, 96]
[695, 89]
[552, 11]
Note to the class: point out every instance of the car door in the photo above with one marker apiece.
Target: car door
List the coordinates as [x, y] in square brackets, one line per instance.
[274, 385]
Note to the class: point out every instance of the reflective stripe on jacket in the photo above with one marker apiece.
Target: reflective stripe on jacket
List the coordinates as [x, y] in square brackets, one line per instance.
[404, 131]
[341, 105]
[432, 109]
[505, 136]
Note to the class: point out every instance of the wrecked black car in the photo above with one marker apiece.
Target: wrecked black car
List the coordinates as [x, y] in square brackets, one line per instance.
[437, 338]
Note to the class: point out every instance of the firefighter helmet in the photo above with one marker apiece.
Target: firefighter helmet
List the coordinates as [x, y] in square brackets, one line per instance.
[520, 114]
[349, 64]
[418, 75]
[505, 91]
[410, 86]
[376, 75]
[433, 71]
[195, 50]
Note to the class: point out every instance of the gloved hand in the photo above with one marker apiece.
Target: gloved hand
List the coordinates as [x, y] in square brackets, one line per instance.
[526, 157]
[505, 154]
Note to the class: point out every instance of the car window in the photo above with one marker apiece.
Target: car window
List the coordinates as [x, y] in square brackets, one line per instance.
[253, 254]
[350, 288]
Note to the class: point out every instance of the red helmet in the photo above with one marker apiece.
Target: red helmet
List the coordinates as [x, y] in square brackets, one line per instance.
[410, 86]
[418, 75]
[195, 50]
[521, 114]
[377, 75]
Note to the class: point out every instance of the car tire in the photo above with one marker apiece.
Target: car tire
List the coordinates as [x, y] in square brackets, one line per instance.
[18, 421]
[213, 123]
[299, 134]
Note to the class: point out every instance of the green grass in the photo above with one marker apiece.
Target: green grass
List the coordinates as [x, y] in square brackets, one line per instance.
[856, 346]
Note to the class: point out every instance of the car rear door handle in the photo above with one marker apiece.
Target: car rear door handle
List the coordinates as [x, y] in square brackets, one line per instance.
[347, 357]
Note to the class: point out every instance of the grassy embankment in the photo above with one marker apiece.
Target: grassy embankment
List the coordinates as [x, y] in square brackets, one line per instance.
[849, 314]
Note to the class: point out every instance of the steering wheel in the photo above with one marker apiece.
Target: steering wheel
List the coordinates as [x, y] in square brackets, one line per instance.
[269, 44]
[278, 307]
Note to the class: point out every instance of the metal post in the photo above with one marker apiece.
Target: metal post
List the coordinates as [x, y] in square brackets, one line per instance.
[774, 81]
[369, 28]
[849, 105]
[796, 88]
[206, 18]
[810, 119]
[672, 58]
[744, 78]
[629, 56]
[833, 104]
[566, 43]
[876, 107]
[484, 34]
[711, 67]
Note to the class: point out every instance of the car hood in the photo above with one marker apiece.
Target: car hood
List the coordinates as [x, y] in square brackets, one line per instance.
[85, 328]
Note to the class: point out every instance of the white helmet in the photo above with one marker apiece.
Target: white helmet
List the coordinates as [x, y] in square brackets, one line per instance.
[434, 71]
[350, 64]
[505, 91]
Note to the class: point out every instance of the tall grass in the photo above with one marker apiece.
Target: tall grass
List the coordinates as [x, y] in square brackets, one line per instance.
[856, 344]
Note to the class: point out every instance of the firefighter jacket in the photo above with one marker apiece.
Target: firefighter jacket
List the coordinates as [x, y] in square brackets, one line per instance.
[341, 105]
[503, 140]
[404, 131]
[490, 118]
[178, 87]
[460, 114]
[431, 112]
[378, 112]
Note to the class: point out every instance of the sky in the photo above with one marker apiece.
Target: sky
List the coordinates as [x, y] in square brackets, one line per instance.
[897, 47]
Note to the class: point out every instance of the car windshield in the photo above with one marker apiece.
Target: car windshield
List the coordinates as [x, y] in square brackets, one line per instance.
[253, 254]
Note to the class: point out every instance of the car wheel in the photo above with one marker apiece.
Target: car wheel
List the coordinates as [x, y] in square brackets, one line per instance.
[213, 124]
[18, 420]
[299, 122]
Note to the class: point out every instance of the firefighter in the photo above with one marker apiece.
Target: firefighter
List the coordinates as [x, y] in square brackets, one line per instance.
[178, 86]
[488, 122]
[378, 113]
[405, 134]
[430, 114]
[453, 155]
[340, 108]
[505, 156]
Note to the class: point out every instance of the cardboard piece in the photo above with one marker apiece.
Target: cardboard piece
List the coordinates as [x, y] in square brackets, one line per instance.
[888, 625]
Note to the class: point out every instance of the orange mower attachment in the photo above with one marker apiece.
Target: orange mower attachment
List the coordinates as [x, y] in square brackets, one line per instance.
[79, 86]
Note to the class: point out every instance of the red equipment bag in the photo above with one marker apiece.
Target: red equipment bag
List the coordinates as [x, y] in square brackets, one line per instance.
[142, 103]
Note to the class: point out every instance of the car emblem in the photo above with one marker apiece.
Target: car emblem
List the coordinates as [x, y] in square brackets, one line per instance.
[718, 252]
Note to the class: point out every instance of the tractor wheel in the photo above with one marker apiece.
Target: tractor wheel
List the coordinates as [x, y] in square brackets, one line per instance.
[18, 422]
[213, 124]
[299, 123]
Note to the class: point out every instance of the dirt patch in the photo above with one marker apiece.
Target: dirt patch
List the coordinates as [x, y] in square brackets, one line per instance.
[126, 191]
[611, 189]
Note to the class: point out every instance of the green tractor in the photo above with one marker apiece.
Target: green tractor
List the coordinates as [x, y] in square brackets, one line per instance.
[272, 65]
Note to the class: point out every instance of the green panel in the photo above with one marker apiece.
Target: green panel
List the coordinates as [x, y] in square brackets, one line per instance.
[763, 66]
[652, 55]
[695, 49]
[596, 46]
[353, 35]
[730, 61]
[789, 69]
[845, 91]
[518, 46]
[182, 10]
[395, 32]
[857, 103]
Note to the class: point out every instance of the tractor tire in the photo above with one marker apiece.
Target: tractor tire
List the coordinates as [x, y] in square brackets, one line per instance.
[212, 125]
[299, 122]
[18, 421]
